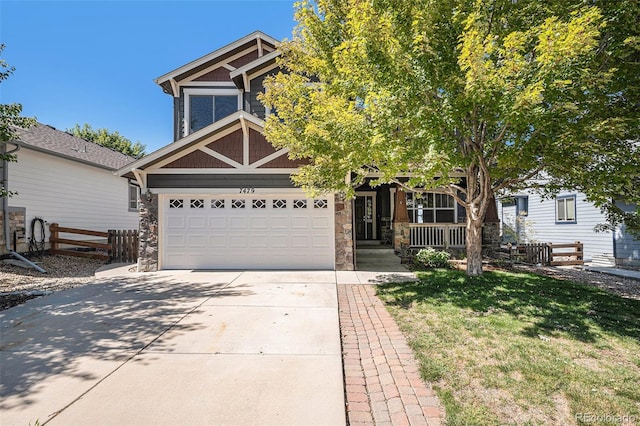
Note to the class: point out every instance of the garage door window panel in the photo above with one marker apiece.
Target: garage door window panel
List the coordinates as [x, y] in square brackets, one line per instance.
[279, 204]
[259, 204]
[320, 204]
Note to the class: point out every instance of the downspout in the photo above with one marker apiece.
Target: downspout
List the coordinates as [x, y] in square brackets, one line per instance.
[5, 211]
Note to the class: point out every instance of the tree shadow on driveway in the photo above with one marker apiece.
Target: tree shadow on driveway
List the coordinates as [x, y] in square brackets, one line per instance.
[82, 334]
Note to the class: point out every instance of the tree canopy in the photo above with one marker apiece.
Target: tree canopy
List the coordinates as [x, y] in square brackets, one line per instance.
[474, 97]
[109, 139]
[10, 119]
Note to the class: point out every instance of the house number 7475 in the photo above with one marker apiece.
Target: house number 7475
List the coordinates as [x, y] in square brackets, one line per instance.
[247, 190]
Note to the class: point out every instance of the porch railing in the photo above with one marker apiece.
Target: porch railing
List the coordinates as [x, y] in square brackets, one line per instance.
[437, 235]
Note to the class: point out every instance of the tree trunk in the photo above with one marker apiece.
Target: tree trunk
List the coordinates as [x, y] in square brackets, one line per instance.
[474, 246]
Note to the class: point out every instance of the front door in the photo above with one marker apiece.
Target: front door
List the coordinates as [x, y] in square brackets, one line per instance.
[365, 216]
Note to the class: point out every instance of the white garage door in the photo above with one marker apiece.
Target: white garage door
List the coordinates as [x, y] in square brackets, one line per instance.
[247, 232]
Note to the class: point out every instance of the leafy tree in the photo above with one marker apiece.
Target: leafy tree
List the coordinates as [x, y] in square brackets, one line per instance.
[109, 139]
[474, 97]
[10, 119]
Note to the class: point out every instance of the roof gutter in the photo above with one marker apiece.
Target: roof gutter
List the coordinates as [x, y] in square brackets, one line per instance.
[5, 211]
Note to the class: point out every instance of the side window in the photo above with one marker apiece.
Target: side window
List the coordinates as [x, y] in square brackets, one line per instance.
[522, 203]
[566, 209]
[134, 195]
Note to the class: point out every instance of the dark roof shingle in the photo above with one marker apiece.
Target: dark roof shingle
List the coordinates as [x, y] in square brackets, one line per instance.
[48, 139]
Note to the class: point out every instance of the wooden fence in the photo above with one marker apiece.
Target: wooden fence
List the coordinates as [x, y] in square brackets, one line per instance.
[548, 254]
[119, 246]
[561, 256]
[123, 245]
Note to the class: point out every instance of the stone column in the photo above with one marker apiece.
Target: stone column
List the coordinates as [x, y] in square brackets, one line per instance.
[401, 238]
[344, 234]
[148, 234]
[491, 230]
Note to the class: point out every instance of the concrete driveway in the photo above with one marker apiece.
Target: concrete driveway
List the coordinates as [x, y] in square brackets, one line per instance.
[179, 348]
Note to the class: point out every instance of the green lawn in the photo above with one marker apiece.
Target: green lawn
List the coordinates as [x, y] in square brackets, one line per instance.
[514, 348]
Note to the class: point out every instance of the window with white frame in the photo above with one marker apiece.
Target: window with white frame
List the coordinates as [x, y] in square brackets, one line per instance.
[134, 195]
[431, 207]
[566, 209]
[206, 106]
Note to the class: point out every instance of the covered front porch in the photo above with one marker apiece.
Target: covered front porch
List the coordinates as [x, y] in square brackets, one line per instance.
[386, 213]
[390, 216]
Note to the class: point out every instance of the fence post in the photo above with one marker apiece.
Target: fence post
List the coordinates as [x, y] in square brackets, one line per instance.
[548, 254]
[111, 251]
[579, 253]
[135, 245]
[53, 238]
[129, 246]
[120, 248]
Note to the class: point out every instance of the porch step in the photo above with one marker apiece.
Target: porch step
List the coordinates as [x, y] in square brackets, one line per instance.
[376, 258]
[375, 252]
[360, 243]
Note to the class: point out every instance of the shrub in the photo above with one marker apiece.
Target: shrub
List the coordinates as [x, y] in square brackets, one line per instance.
[431, 258]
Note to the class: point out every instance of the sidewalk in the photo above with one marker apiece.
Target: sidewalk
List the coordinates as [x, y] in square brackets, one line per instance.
[382, 380]
[625, 273]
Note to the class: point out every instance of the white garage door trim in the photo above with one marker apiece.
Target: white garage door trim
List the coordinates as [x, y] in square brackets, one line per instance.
[277, 230]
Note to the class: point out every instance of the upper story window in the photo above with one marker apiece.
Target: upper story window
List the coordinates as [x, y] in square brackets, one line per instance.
[566, 209]
[431, 207]
[206, 106]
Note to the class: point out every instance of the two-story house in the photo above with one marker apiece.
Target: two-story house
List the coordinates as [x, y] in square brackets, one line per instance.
[220, 196]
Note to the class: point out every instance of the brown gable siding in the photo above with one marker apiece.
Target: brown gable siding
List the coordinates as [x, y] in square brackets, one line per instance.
[259, 147]
[244, 60]
[218, 74]
[283, 162]
[197, 160]
[229, 146]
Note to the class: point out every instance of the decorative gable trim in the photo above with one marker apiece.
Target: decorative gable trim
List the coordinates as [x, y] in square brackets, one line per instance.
[270, 158]
[258, 40]
[244, 74]
[216, 65]
[197, 154]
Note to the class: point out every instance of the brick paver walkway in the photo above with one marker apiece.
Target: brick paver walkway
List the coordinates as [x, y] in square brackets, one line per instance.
[382, 382]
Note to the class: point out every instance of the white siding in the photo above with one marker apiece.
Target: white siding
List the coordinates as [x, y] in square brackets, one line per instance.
[69, 193]
[508, 224]
[542, 227]
[627, 246]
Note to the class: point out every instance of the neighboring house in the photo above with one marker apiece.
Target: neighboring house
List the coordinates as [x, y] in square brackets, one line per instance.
[66, 180]
[567, 218]
[220, 195]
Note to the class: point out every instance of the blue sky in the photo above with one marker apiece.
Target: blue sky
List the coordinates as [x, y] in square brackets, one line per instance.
[95, 61]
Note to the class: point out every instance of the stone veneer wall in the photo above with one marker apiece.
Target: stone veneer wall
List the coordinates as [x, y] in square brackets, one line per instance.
[490, 239]
[16, 221]
[148, 235]
[344, 234]
[401, 236]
